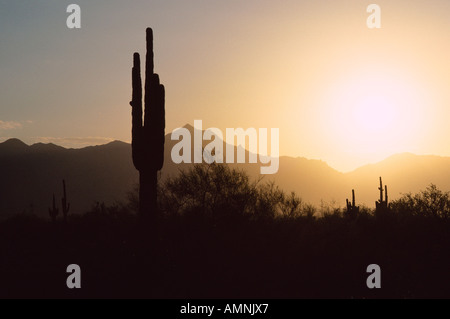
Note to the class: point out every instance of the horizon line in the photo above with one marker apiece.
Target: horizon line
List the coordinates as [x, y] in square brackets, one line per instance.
[108, 141]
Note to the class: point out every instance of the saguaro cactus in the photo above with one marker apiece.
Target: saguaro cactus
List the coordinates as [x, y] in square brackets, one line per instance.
[65, 204]
[148, 136]
[53, 212]
[352, 209]
[382, 205]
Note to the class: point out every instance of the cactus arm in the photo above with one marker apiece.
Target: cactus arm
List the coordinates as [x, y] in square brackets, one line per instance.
[353, 198]
[136, 113]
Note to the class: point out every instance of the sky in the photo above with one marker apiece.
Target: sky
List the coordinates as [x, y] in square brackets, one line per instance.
[337, 90]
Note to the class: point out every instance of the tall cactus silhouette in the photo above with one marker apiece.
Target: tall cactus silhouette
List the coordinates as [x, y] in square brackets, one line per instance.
[148, 136]
[65, 204]
[352, 209]
[382, 205]
[54, 211]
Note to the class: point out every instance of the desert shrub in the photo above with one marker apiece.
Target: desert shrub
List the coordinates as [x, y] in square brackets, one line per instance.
[218, 189]
[430, 202]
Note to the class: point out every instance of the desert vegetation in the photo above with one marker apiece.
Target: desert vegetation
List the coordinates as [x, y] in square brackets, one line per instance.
[220, 234]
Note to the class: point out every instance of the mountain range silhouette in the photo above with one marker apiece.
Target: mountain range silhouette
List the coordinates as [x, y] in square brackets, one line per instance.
[105, 173]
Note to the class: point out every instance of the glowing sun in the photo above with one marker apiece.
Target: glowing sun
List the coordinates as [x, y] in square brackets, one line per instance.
[373, 114]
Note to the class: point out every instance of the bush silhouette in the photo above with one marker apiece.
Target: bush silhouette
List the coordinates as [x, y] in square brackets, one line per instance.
[430, 202]
[216, 189]
[208, 188]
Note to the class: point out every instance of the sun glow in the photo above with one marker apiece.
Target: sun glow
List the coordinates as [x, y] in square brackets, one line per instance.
[372, 115]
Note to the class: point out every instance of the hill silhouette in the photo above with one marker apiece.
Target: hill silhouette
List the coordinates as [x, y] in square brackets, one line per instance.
[105, 173]
[31, 174]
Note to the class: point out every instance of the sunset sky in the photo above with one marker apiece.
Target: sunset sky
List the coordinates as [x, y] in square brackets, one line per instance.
[338, 91]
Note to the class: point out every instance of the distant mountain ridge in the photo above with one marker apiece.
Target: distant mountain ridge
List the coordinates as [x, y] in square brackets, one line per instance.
[30, 174]
[105, 173]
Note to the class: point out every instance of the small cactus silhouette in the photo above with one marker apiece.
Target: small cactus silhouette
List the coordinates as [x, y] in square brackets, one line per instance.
[54, 211]
[65, 204]
[148, 136]
[382, 205]
[352, 209]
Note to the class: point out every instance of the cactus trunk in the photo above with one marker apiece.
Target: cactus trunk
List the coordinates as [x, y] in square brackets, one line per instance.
[147, 192]
[381, 190]
[385, 194]
[148, 135]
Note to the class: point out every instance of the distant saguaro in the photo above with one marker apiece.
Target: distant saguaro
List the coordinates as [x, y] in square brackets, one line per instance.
[148, 136]
[352, 209]
[382, 205]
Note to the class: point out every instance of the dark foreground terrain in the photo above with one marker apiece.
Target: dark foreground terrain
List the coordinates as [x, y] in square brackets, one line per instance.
[221, 236]
[194, 257]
